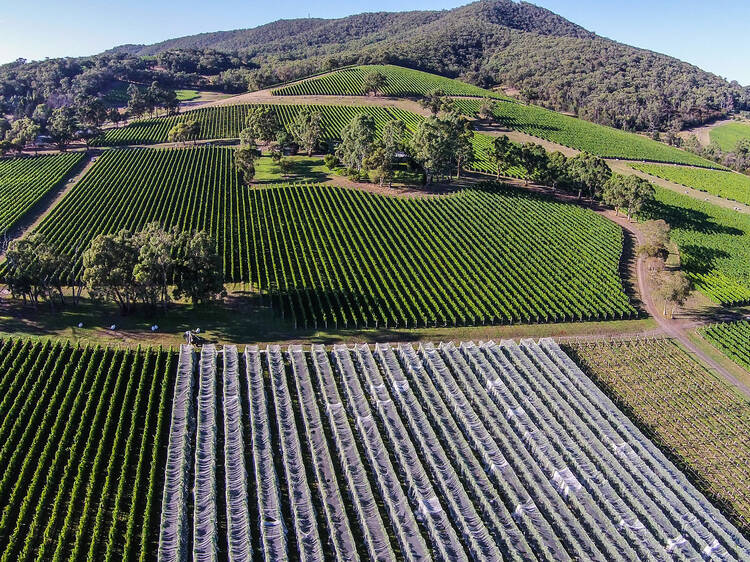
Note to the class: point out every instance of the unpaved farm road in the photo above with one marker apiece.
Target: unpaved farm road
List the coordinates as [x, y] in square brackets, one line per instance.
[673, 328]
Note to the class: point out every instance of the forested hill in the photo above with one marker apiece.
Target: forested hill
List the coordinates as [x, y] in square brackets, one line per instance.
[547, 59]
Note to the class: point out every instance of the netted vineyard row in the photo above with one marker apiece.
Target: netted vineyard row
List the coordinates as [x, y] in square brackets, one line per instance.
[333, 257]
[82, 433]
[417, 454]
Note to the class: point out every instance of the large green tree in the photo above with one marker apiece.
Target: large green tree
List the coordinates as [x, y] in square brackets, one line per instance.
[357, 141]
[244, 158]
[63, 126]
[108, 269]
[375, 82]
[307, 129]
[590, 173]
[199, 269]
[505, 154]
[261, 124]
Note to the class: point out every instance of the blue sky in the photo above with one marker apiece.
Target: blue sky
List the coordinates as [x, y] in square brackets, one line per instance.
[710, 34]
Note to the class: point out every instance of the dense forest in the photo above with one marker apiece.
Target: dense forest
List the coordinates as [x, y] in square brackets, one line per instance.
[547, 59]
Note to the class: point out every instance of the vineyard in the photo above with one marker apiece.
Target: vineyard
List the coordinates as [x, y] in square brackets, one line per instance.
[226, 122]
[82, 433]
[702, 421]
[401, 82]
[583, 135]
[732, 339]
[333, 257]
[25, 181]
[728, 185]
[436, 452]
[714, 244]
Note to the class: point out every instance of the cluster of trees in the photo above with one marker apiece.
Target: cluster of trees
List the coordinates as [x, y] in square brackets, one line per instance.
[151, 99]
[125, 268]
[362, 150]
[737, 159]
[671, 284]
[63, 125]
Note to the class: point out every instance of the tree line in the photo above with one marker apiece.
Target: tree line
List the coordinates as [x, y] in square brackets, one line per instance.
[125, 268]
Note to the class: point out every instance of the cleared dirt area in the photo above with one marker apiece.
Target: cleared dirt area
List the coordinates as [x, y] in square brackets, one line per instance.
[703, 132]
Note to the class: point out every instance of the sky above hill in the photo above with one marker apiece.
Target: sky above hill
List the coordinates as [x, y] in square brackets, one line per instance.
[712, 35]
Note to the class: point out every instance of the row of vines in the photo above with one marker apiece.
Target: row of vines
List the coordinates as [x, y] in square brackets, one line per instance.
[695, 415]
[25, 181]
[333, 257]
[732, 339]
[82, 432]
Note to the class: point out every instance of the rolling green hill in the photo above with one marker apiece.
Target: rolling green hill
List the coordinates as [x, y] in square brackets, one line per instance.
[401, 82]
[583, 135]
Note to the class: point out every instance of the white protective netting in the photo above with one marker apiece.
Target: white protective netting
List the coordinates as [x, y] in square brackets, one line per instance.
[336, 519]
[373, 528]
[699, 521]
[173, 532]
[413, 546]
[553, 508]
[272, 531]
[300, 497]
[205, 524]
[235, 474]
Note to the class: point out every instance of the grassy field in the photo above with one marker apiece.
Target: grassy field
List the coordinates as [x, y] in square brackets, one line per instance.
[83, 434]
[584, 135]
[729, 185]
[701, 420]
[401, 82]
[732, 339]
[727, 136]
[245, 316]
[714, 244]
[332, 257]
[187, 95]
[25, 181]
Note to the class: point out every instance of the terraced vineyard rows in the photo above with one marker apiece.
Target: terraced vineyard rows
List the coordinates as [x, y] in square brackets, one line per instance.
[732, 339]
[428, 453]
[584, 135]
[25, 181]
[401, 82]
[338, 257]
[729, 185]
[701, 420]
[82, 433]
[714, 244]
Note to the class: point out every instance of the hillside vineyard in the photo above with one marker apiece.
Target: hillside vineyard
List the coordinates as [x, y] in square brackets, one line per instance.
[480, 256]
[25, 181]
[401, 82]
[471, 452]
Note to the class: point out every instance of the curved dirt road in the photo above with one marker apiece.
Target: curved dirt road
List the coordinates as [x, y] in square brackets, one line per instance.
[672, 328]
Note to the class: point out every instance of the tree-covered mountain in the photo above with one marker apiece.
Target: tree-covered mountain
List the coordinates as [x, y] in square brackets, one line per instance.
[548, 59]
